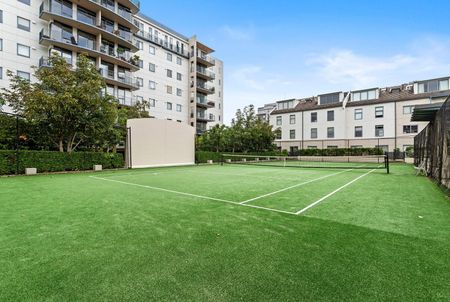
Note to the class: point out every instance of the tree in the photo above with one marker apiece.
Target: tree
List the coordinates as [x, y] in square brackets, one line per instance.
[65, 102]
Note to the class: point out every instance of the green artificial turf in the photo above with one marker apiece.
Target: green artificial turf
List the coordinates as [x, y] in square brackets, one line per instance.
[121, 237]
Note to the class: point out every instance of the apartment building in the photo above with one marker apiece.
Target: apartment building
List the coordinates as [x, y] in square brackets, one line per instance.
[373, 117]
[140, 58]
[265, 111]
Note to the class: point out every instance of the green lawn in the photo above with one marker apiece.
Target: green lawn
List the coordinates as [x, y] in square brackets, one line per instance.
[178, 234]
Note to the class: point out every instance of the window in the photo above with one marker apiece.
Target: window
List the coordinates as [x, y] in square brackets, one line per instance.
[410, 129]
[330, 115]
[179, 92]
[152, 50]
[292, 134]
[27, 2]
[1, 16]
[285, 105]
[1, 73]
[433, 85]
[152, 85]
[364, 95]
[358, 131]
[140, 82]
[292, 119]
[313, 132]
[179, 77]
[169, 89]
[329, 98]
[169, 57]
[279, 121]
[313, 117]
[408, 109]
[330, 132]
[151, 67]
[24, 75]
[140, 45]
[23, 50]
[1, 44]
[169, 106]
[278, 134]
[379, 112]
[358, 114]
[152, 102]
[23, 24]
[179, 61]
[379, 131]
[86, 16]
[178, 108]
[86, 40]
[169, 73]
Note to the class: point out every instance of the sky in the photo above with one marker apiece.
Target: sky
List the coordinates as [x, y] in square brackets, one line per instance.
[275, 50]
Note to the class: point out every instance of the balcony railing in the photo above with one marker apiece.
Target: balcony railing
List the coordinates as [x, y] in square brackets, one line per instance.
[205, 57]
[149, 37]
[206, 87]
[206, 72]
[124, 78]
[123, 13]
[45, 62]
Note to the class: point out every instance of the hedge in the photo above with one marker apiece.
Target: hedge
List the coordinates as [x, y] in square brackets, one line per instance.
[203, 156]
[52, 161]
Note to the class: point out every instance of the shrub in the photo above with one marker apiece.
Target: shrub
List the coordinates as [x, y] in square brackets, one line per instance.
[52, 161]
[203, 156]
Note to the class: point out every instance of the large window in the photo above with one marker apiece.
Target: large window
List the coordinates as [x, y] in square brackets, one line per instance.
[330, 115]
[292, 119]
[329, 98]
[279, 120]
[23, 24]
[86, 40]
[285, 105]
[330, 132]
[313, 117]
[358, 114]
[364, 95]
[410, 129]
[107, 25]
[169, 73]
[379, 112]
[66, 54]
[61, 33]
[23, 50]
[433, 85]
[313, 132]
[358, 131]
[24, 75]
[379, 131]
[169, 106]
[86, 16]
[292, 134]
[152, 85]
[408, 109]
[61, 7]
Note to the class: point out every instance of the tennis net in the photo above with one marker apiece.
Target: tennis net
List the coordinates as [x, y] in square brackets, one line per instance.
[330, 162]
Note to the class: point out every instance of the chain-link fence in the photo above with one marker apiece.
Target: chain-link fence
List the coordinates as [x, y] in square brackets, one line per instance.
[431, 147]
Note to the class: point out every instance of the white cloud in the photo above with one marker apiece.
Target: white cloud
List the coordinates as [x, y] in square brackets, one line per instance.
[238, 33]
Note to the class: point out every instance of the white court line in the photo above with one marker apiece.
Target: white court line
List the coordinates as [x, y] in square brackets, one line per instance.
[294, 186]
[332, 193]
[165, 190]
[193, 195]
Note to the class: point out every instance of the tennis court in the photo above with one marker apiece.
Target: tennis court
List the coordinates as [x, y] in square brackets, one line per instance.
[241, 231]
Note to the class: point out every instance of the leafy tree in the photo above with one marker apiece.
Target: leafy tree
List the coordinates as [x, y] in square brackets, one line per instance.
[65, 103]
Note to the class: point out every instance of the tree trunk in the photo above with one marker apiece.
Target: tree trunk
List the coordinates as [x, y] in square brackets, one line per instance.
[61, 145]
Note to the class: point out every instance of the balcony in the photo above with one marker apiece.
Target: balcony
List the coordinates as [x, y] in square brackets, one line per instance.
[203, 102]
[204, 59]
[108, 54]
[45, 63]
[122, 17]
[160, 42]
[123, 80]
[121, 37]
[205, 117]
[205, 74]
[133, 5]
[205, 88]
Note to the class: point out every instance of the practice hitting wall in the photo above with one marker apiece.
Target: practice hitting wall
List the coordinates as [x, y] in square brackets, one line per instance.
[157, 143]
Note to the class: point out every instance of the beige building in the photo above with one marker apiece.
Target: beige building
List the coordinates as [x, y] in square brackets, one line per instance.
[140, 58]
[361, 118]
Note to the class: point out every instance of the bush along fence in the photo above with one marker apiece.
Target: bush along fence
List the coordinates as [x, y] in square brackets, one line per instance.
[12, 162]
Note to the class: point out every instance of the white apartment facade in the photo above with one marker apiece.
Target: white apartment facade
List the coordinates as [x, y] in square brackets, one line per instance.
[140, 59]
[374, 117]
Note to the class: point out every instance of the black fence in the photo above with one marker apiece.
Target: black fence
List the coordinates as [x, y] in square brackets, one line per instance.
[431, 147]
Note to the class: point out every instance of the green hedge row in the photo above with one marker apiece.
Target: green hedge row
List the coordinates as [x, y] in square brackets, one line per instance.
[203, 156]
[51, 161]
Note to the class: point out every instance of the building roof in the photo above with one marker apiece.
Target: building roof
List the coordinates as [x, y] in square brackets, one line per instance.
[160, 25]
[390, 94]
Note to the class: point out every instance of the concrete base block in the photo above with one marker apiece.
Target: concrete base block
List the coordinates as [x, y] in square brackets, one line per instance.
[30, 171]
[209, 161]
[228, 160]
[98, 167]
[244, 159]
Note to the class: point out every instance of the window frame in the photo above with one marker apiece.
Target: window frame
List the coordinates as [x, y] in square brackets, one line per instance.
[377, 130]
[357, 112]
[328, 116]
[27, 47]
[358, 129]
[22, 27]
[330, 134]
[377, 108]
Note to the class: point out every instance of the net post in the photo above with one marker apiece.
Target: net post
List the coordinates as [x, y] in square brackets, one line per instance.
[386, 161]
[221, 159]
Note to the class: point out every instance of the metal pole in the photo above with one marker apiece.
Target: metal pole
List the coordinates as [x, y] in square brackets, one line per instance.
[17, 145]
